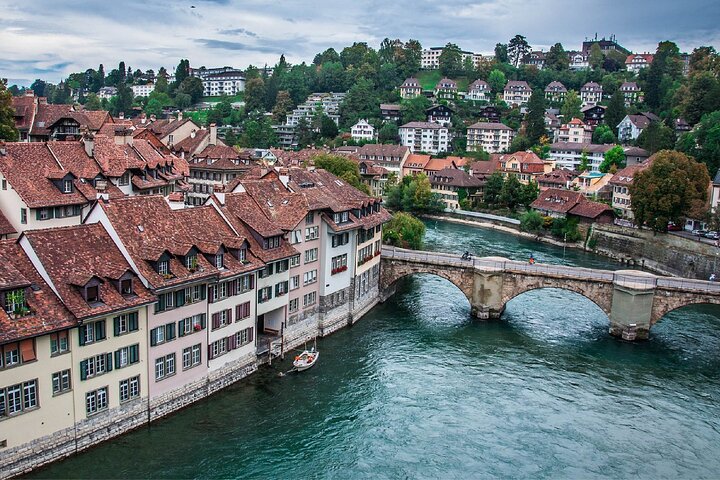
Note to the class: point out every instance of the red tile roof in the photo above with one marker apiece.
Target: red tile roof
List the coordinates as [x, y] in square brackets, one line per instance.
[591, 210]
[556, 200]
[5, 227]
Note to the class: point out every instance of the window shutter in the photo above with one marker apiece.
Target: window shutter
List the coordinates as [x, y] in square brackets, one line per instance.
[250, 333]
[37, 214]
[232, 288]
[203, 293]
[180, 298]
[229, 315]
[81, 335]
[100, 330]
[238, 313]
[232, 342]
[215, 321]
[161, 303]
[203, 321]
[210, 352]
[83, 370]
[117, 358]
[133, 321]
[211, 294]
[252, 282]
[169, 332]
[109, 362]
[134, 353]
[153, 337]
[181, 328]
[116, 325]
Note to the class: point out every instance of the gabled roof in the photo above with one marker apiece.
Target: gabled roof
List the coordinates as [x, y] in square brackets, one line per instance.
[517, 85]
[417, 161]
[489, 126]
[383, 150]
[479, 85]
[485, 168]
[424, 126]
[455, 178]
[556, 200]
[580, 147]
[591, 210]
[591, 87]
[555, 86]
[411, 82]
[437, 164]
[5, 227]
[73, 255]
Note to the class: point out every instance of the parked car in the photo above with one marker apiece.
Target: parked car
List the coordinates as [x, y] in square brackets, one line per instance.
[673, 228]
[712, 235]
[699, 233]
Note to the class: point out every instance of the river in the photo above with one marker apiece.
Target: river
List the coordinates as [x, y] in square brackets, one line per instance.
[418, 389]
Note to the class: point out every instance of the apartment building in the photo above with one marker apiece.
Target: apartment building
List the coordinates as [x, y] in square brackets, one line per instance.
[569, 155]
[479, 90]
[424, 137]
[490, 137]
[517, 93]
[143, 90]
[390, 157]
[362, 131]
[637, 61]
[555, 92]
[575, 131]
[410, 88]
[591, 93]
[631, 93]
[223, 83]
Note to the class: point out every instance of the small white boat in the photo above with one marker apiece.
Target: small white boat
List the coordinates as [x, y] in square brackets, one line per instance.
[306, 359]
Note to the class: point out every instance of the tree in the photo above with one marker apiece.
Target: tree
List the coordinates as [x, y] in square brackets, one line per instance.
[557, 58]
[328, 128]
[153, 107]
[283, 105]
[329, 55]
[38, 87]
[493, 188]
[450, 60]
[501, 53]
[703, 142]
[701, 96]
[257, 133]
[584, 162]
[192, 86]
[603, 135]
[615, 111]
[92, 102]
[511, 192]
[571, 106]
[673, 186]
[529, 193]
[182, 71]
[531, 221]
[183, 100]
[404, 230]
[360, 102]
[535, 128]
[595, 59]
[519, 144]
[161, 83]
[123, 101]
[342, 167]
[517, 49]
[388, 133]
[665, 63]
[613, 157]
[413, 110]
[8, 131]
[254, 94]
[655, 137]
[497, 81]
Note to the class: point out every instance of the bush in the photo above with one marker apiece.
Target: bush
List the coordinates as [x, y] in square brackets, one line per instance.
[531, 222]
[566, 229]
[404, 230]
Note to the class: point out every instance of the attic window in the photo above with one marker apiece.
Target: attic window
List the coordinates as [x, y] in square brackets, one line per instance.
[242, 254]
[140, 228]
[191, 262]
[269, 203]
[67, 186]
[163, 267]
[14, 303]
[126, 287]
[219, 261]
[339, 182]
[92, 294]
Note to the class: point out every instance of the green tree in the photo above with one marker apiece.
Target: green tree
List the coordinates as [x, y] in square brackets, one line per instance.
[254, 94]
[360, 102]
[153, 107]
[329, 55]
[615, 111]
[615, 157]
[703, 142]
[182, 71]
[501, 53]
[603, 134]
[92, 102]
[557, 58]
[493, 189]
[657, 136]
[183, 100]
[672, 187]
[191, 86]
[328, 128]
[404, 230]
[413, 110]
[257, 133]
[161, 83]
[388, 133]
[342, 167]
[531, 221]
[701, 96]
[529, 193]
[595, 59]
[535, 128]
[584, 162]
[497, 81]
[517, 49]
[511, 192]
[519, 144]
[665, 63]
[123, 101]
[8, 131]
[450, 60]
[571, 106]
[283, 105]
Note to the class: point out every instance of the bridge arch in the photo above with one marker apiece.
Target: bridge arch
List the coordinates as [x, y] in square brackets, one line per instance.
[662, 305]
[393, 271]
[600, 303]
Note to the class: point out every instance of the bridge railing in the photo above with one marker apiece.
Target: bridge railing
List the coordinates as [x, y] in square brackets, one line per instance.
[689, 284]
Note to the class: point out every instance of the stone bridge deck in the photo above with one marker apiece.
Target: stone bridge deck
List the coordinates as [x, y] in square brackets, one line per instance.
[633, 300]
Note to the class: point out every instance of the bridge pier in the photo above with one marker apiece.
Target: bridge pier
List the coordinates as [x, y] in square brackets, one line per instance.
[632, 306]
[486, 302]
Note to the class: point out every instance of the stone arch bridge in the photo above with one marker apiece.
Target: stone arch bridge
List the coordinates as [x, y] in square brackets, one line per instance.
[633, 300]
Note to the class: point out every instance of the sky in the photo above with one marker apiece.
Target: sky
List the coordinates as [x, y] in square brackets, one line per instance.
[49, 39]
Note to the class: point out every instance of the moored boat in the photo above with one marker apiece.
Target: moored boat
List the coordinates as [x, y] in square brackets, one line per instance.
[306, 359]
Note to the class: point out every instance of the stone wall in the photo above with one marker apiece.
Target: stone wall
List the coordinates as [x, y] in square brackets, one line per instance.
[666, 254]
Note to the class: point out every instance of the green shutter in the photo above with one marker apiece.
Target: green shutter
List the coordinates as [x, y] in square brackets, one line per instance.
[134, 353]
[203, 293]
[100, 330]
[116, 326]
[83, 370]
[161, 303]
[109, 362]
[81, 335]
[180, 298]
[133, 321]
[203, 321]
[37, 214]
[169, 332]
[117, 358]
[181, 328]
[153, 340]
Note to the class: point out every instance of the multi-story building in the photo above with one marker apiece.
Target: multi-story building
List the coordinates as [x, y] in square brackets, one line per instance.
[106, 93]
[430, 58]
[593, 115]
[410, 88]
[517, 93]
[620, 183]
[535, 59]
[446, 89]
[578, 60]
[479, 90]
[440, 114]
[591, 93]
[630, 128]
[555, 92]
[631, 93]
[449, 182]
[637, 61]
[374, 176]
[143, 90]
[327, 103]
[525, 166]
[569, 155]
[490, 137]
[390, 157]
[223, 83]
[390, 112]
[575, 131]
[362, 131]
[424, 137]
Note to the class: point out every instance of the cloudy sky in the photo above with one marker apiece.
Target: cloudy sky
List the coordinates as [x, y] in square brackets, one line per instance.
[49, 38]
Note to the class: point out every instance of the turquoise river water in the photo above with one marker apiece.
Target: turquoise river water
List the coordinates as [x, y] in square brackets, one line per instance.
[418, 389]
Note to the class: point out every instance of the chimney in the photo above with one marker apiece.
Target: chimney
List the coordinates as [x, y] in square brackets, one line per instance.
[213, 134]
[179, 117]
[121, 115]
[3, 150]
[192, 134]
[88, 140]
[152, 117]
[143, 118]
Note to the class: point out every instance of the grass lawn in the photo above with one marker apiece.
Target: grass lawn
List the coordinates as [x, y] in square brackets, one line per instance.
[234, 98]
[429, 78]
[199, 117]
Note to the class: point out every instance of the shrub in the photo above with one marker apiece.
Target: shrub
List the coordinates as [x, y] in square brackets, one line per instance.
[531, 221]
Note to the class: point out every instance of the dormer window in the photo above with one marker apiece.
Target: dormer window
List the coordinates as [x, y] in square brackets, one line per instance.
[163, 267]
[92, 293]
[14, 303]
[126, 286]
[191, 262]
[219, 261]
[272, 242]
[242, 254]
[67, 186]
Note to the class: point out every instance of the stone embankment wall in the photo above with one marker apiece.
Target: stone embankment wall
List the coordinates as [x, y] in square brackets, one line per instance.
[662, 253]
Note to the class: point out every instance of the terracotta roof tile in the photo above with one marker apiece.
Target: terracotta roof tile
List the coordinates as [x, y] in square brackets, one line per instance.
[5, 227]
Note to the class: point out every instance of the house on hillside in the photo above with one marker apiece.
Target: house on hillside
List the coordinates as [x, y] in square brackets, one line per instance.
[390, 112]
[591, 93]
[630, 128]
[490, 137]
[446, 89]
[479, 90]
[637, 61]
[453, 185]
[575, 131]
[425, 137]
[517, 93]
[570, 204]
[555, 92]
[593, 115]
[410, 88]
[526, 166]
[631, 93]
[362, 131]
[440, 114]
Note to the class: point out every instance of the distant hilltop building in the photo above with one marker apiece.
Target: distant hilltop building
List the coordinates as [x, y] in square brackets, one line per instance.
[606, 45]
[430, 59]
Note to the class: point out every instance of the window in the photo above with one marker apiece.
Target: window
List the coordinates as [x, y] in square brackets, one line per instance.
[61, 382]
[126, 287]
[15, 301]
[339, 264]
[162, 334]
[92, 294]
[309, 299]
[243, 337]
[340, 239]
[162, 267]
[309, 218]
[242, 254]
[246, 283]
[17, 398]
[92, 332]
[294, 282]
[191, 262]
[309, 277]
[272, 242]
[59, 343]
[129, 389]
[125, 323]
[293, 305]
[219, 261]
[44, 213]
[267, 271]
[311, 255]
[341, 217]
[23, 216]
[164, 366]
[242, 311]
[191, 356]
[4, 184]
[264, 294]
[96, 401]
[311, 233]
[221, 319]
[67, 186]
[294, 261]
[96, 365]
[281, 289]
[295, 237]
[127, 356]
[125, 179]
